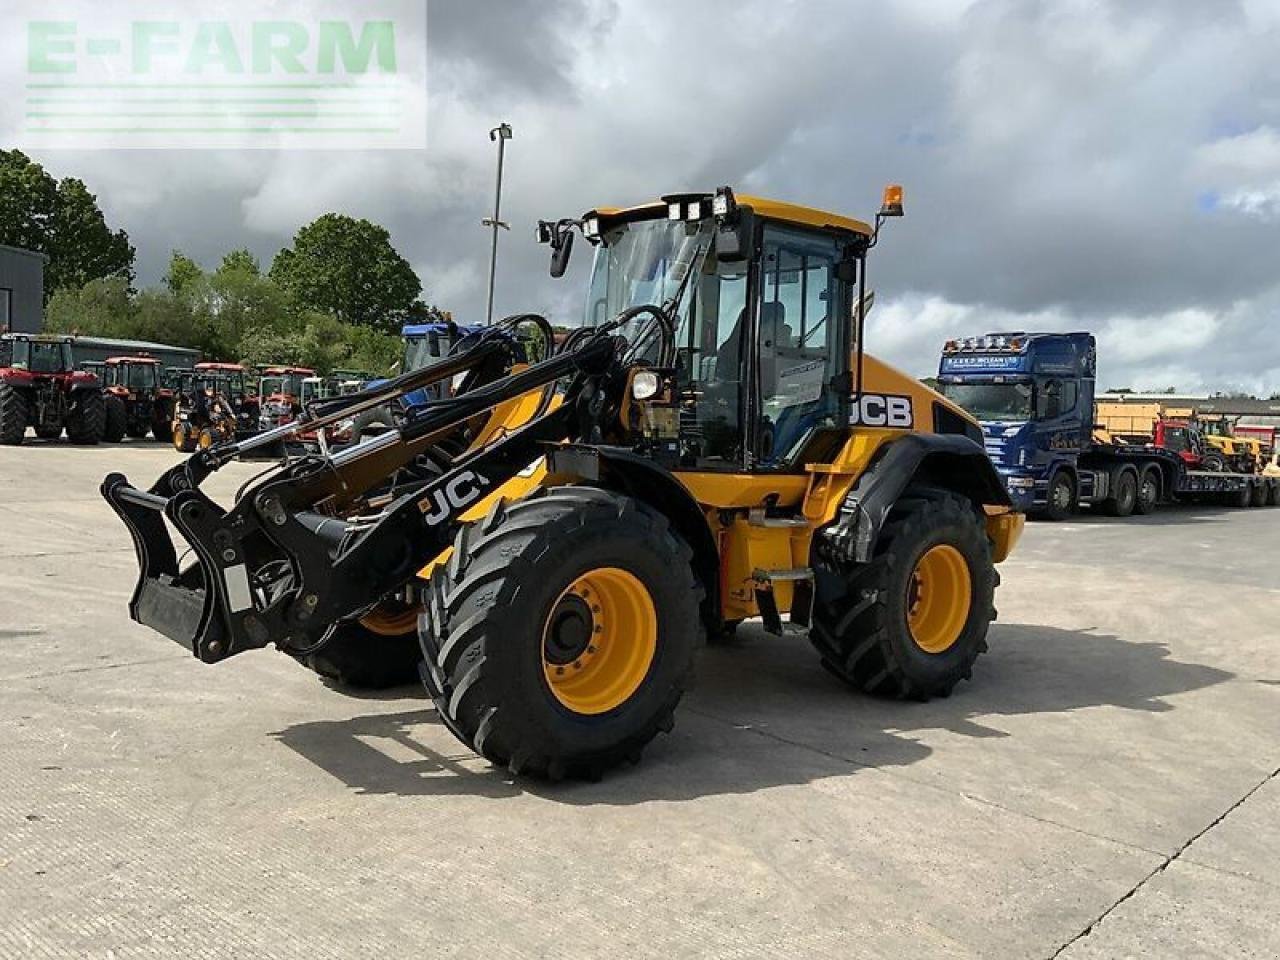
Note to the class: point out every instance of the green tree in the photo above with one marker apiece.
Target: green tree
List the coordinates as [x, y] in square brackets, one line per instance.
[62, 220]
[184, 274]
[348, 268]
[101, 308]
[240, 261]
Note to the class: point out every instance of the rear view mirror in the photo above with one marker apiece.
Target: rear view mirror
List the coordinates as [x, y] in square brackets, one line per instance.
[560, 237]
[561, 248]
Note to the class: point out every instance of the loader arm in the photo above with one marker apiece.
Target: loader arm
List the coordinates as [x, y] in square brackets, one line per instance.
[285, 562]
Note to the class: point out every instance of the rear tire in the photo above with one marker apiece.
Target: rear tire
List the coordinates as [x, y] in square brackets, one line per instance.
[1239, 499]
[1258, 494]
[1213, 463]
[1273, 493]
[863, 622]
[359, 658]
[1148, 493]
[87, 422]
[1124, 496]
[116, 420]
[561, 634]
[15, 413]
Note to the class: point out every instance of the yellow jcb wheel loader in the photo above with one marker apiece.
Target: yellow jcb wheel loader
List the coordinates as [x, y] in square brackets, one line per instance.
[711, 446]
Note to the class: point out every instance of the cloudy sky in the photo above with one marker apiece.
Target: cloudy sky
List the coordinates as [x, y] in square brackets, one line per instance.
[1075, 164]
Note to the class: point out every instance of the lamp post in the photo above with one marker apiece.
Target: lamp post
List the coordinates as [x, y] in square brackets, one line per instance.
[501, 134]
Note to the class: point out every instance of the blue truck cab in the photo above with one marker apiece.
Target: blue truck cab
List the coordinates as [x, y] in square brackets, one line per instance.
[1033, 394]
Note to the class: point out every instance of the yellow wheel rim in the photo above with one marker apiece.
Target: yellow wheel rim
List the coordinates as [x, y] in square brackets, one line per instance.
[599, 641]
[179, 438]
[939, 595]
[391, 621]
[206, 440]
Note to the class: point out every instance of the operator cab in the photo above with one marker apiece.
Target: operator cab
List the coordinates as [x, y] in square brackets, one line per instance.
[135, 374]
[36, 354]
[762, 295]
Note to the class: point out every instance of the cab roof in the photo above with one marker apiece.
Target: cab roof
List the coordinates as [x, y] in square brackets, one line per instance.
[769, 209]
[228, 367]
[147, 360]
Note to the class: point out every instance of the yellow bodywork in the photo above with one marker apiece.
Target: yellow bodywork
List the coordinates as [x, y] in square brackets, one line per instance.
[816, 494]
[747, 544]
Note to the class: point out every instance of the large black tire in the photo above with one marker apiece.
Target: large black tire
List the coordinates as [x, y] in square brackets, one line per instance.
[1124, 495]
[861, 622]
[1213, 463]
[358, 658]
[15, 413]
[87, 422]
[1060, 498]
[488, 655]
[1273, 492]
[1148, 499]
[116, 420]
[1258, 494]
[184, 437]
[1238, 499]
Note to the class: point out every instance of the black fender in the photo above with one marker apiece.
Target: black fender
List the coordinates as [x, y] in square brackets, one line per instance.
[81, 386]
[950, 461]
[619, 469]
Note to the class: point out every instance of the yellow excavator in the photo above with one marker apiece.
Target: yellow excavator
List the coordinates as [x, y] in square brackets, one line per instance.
[550, 543]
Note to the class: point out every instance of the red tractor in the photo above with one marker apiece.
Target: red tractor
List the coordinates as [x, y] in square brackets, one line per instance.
[282, 390]
[40, 387]
[1187, 441]
[137, 403]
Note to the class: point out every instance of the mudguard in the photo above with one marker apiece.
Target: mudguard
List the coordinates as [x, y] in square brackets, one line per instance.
[619, 469]
[950, 461]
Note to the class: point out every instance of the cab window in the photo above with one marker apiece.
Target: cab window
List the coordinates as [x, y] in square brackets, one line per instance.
[798, 339]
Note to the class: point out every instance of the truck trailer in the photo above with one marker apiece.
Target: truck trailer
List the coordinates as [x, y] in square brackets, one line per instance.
[1033, 393]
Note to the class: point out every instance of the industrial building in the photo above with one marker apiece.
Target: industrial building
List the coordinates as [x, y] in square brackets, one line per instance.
[21, 290]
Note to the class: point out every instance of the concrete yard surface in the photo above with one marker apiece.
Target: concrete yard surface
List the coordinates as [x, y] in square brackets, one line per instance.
[1105, 787]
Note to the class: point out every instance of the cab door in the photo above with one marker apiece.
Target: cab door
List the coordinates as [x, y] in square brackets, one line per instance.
[801, 344]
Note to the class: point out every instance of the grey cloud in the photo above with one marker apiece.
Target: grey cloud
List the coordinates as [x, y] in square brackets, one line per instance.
[1097, 165]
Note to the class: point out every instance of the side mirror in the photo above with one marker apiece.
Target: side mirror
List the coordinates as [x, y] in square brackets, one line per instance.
[560, 237]
[561, 248]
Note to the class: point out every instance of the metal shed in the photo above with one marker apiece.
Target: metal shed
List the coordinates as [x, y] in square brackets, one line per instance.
[21, 290]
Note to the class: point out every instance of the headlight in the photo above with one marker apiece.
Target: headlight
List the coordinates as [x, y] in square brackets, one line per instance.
[645, 385]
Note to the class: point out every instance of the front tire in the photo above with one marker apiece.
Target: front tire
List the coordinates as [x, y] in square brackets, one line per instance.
[561, 634]
[911, 622]
[1060, 499]
[377, 652]
[116, 420]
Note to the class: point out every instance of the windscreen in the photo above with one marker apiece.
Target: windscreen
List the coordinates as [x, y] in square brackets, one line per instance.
[140, 376]
[992, 401]
[39, 357]
[644, 262]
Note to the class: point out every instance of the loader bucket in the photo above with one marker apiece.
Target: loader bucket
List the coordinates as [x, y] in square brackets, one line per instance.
[170, 601]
